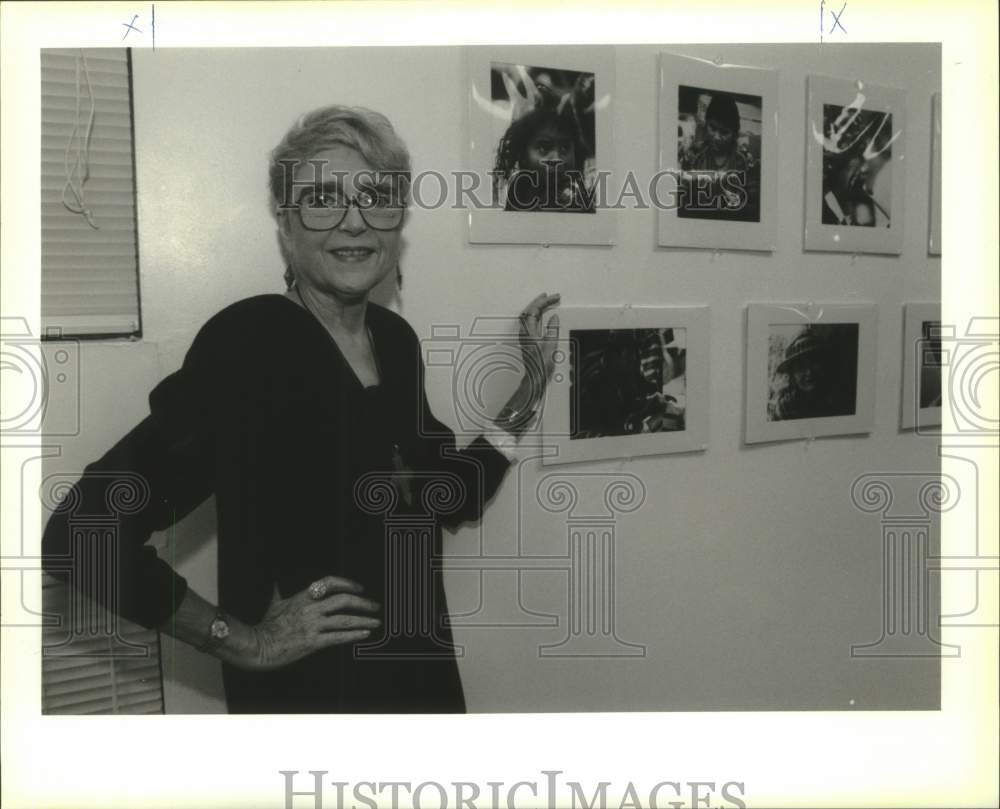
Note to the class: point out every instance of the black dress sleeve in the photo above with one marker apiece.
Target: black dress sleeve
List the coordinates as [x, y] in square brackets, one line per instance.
[154, 476]
[479, 468]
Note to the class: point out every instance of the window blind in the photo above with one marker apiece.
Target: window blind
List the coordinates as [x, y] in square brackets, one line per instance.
[90, 283]
[86, 669]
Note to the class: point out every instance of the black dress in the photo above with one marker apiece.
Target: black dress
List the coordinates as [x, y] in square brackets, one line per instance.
[313, 475]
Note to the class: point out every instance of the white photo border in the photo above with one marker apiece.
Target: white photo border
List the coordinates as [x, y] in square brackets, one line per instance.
[848, 238]
[760, 317]
[491, 225]
[675, 231]
[934, 226]
[693, 438]
[911, 415]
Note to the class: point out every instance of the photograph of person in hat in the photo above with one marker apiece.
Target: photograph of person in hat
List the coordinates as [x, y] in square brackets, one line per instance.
[719, 148]
[812, 371]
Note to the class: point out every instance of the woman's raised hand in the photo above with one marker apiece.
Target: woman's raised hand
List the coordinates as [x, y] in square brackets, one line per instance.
[538, 341]
[329, 612]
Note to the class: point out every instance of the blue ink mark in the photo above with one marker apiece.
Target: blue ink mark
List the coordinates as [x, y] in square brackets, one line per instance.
[836, 21]
[131, 27]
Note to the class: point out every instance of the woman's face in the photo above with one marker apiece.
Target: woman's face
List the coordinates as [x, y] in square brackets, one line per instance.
[350, 260]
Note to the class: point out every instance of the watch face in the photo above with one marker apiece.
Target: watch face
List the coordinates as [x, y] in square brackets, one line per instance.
[220, 629]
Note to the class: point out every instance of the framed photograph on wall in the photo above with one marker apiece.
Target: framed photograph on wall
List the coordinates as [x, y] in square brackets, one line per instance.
[630, 381]
[718, 154]
[540, 136]
[810, 370]
[934, 229]
[855, 182]
[922, 363]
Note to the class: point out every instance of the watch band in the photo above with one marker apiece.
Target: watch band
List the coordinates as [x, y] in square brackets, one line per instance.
[218, 631]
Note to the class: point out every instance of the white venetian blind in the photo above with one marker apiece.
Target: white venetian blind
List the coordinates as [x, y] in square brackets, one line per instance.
[91, 665]
[90, 281]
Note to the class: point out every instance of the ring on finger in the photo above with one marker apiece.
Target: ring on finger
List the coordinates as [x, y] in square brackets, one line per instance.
[317, 589]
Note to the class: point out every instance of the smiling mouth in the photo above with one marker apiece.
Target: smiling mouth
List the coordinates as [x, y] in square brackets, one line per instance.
[352, 253]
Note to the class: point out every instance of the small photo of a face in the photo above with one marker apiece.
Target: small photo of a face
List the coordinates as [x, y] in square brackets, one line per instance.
[857, 166]
[545, 157]
[719, 154]
[627, 381]
[812, 370]
[930, 364]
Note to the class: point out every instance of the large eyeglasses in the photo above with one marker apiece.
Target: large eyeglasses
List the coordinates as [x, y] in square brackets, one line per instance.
[325, 210]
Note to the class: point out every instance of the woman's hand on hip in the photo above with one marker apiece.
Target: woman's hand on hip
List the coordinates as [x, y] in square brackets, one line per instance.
[330, 612]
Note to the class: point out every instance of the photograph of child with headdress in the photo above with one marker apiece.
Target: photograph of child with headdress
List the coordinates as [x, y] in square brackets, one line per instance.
[719, 154]
[545, 159]
[812, 371]
[857, 166]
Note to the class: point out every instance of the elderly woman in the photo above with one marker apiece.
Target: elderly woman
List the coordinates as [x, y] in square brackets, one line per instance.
[292, 410]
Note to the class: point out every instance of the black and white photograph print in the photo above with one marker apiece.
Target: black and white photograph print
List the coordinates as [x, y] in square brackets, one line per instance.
[626, 381]
[630, 381]
[393, 483]
[857, 167]
[923, 364]
[718, 144]
[929, 351]
[719, 155]
[540, 138]
[855, 178]
[810, 370]
[545, 157]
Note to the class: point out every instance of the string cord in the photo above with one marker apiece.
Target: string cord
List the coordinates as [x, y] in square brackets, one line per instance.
[81, 162]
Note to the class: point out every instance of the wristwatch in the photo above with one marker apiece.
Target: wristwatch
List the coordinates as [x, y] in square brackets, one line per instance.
[218, 631]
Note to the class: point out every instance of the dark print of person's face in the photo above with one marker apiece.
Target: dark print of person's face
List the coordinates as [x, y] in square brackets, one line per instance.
[720, 137]
[651, 366]
[550, 151]
[806, 374]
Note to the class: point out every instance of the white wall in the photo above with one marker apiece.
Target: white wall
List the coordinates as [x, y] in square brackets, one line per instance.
[747, 574]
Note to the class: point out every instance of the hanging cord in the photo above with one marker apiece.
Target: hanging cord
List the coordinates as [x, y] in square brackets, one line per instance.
[81, 164]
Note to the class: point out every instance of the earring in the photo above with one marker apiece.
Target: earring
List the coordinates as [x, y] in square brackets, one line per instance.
[399, 277]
